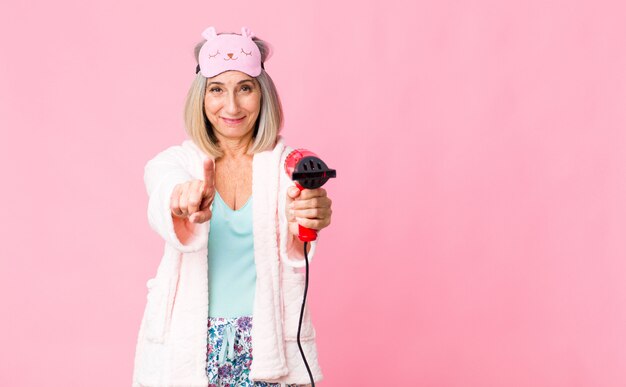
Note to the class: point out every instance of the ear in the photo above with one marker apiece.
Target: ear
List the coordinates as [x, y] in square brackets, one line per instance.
[209, 33]
[246, 33]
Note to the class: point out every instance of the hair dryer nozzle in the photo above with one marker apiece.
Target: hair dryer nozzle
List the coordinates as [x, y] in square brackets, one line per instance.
[311, 172]
[308, 170]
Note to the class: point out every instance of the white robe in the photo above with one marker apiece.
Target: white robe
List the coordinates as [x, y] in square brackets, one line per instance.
[172, 340]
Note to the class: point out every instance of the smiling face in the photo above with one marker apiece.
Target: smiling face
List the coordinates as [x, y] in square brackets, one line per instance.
[232, 102]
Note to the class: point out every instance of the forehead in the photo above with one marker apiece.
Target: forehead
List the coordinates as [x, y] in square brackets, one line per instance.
[230, 77]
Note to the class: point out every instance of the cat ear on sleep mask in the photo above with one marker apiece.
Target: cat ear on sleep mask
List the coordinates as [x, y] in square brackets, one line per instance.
[229, 51]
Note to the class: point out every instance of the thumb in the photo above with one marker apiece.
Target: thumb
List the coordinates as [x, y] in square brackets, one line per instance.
[201, 216]
[293, 192]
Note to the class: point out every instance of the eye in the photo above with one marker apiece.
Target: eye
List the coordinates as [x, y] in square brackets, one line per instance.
[211, 56]
[215, 89]
[247, 53]
[247, 87]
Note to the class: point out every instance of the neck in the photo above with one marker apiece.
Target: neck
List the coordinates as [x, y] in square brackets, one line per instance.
[235, 148]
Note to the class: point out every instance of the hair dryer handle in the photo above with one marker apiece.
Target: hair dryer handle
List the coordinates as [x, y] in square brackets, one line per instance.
[305, 234]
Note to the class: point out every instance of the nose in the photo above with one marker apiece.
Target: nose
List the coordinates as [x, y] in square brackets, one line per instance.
[232, 106]
[230, 54]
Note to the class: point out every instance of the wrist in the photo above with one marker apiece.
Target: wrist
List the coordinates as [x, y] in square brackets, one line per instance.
[300, 244]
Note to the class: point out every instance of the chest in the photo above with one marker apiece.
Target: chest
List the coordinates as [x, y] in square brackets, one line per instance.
[233, 181]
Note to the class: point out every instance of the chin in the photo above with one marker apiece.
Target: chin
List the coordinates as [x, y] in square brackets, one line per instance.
[234, 132]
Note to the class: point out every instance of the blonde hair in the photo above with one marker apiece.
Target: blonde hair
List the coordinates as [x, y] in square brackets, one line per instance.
[268, 124]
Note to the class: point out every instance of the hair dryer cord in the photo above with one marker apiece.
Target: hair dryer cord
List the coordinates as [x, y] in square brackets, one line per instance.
[306, 287]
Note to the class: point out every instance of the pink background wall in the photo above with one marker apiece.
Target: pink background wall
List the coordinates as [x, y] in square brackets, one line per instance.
[478, 234]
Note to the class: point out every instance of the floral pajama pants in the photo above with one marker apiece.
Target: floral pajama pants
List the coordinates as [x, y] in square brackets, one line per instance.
[229, 353]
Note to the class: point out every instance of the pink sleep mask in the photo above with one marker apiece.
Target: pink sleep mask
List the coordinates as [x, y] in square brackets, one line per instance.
[229, 52]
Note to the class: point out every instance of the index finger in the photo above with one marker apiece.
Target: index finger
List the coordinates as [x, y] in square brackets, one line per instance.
[312, 193]
[209, 171]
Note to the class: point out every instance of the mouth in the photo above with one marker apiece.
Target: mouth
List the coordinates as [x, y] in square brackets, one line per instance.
[233, 121]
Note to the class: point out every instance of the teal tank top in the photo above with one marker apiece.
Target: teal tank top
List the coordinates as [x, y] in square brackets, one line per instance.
[232, 271]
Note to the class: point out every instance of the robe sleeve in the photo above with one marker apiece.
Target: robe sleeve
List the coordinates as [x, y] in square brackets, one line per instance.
[161, 174]
[291, 250]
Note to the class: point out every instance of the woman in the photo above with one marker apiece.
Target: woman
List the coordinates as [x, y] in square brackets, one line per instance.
[228, 283]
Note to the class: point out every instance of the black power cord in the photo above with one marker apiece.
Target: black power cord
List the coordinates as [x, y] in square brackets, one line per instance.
[306, 287]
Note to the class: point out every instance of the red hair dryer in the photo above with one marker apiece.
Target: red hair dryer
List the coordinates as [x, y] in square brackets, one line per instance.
[307, 171]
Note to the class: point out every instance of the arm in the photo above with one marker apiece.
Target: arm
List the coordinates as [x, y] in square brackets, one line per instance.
[183, 228]
[291, 247]
[295, 248]
[161, 174]
[299, 245]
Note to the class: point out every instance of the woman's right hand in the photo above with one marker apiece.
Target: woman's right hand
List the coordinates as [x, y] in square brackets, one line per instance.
[193, 198]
